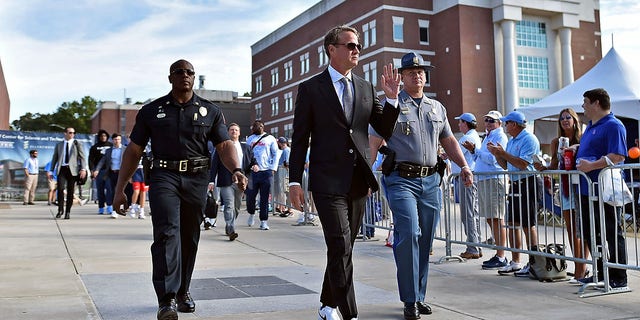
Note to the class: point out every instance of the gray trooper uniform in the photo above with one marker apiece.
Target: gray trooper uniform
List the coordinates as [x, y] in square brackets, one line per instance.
[412, 189]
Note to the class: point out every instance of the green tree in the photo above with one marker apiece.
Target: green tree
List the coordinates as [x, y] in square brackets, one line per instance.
[70, 114]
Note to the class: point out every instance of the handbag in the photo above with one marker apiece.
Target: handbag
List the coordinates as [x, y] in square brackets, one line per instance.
[211, 207]
[614, 190]
[547, 269]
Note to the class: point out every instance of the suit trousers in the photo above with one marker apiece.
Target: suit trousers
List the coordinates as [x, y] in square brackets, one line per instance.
[341, 217]
[416, 204]
[65, 181]
[177, 201]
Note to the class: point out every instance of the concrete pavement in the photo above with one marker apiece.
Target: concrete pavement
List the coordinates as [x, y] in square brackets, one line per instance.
[94, 267]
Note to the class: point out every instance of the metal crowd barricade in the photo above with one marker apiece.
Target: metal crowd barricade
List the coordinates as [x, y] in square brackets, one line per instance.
[377, 214]
[625, 224]
[551, 222]
[280, 196]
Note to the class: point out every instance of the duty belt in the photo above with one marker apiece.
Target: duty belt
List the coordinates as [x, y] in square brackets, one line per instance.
[412, 170]
[189, 165]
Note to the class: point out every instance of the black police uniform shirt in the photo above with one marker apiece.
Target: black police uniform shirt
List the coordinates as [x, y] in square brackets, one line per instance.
[179, 131]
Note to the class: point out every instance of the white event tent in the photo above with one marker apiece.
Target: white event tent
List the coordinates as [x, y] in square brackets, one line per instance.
[612, 73]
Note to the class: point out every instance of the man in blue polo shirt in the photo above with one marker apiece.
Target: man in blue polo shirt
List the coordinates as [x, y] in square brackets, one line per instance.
[605, 136]
[521, 207]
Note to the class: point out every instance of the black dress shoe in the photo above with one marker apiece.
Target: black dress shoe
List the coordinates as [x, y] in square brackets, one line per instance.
[167, 310]
[185, 303]
[233, 236]
[59, 215]
[66, 215]
[411, 311]
[423, 307]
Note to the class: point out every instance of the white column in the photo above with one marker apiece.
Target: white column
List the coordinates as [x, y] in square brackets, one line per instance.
[510, 70]
[566, 58]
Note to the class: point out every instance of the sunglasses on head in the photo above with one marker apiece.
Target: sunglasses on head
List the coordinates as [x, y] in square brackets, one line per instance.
[351, 46]
[490, 120]
[183, 71]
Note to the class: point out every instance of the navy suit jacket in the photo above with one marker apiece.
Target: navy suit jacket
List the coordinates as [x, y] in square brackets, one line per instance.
[335, 145]
[224, 175]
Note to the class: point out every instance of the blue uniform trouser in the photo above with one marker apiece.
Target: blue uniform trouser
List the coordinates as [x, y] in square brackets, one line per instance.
[177, 201]
[261, 182]
[415, 203]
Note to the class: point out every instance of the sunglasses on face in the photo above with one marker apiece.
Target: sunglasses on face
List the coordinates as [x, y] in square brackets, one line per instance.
[566, 118]
[71, 132]
[189, 72]
[489, 120]
[351, 46]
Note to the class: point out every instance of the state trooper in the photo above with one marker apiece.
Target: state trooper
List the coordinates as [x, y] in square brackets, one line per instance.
[179, 125]
[412, 185]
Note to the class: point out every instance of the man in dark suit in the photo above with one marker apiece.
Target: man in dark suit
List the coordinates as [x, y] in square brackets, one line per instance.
[68, 162]
[332, 114]
[230, 194]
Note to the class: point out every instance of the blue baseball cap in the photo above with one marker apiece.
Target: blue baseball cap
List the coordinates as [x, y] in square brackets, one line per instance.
[515, 116]
[468, 117]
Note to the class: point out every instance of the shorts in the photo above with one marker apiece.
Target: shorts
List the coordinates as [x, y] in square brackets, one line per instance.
[521, 207]
[138, 176]
[491, 198]
[137, 186]
[53, 185]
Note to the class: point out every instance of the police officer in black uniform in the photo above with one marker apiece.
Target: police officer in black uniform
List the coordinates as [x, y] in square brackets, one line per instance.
[179, 126]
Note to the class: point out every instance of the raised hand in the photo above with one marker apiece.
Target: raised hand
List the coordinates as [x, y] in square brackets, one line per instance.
[390, 81]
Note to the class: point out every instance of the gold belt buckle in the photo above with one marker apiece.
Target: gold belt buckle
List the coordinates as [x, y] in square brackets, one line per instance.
[182, 165]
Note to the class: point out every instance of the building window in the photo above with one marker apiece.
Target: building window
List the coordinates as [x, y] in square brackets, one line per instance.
[531, 34]
[524, 101]
[398, 33]
[288, 130]
[258, 84]
[371, 72]
[274, 131]
[369, 34]
[424, 31]
[274, 77]
[288, 70]
[274, 106]
[304, 63]
[288, 102]
[533, 72]
[258, 111]
[397, 62]
[322, 57]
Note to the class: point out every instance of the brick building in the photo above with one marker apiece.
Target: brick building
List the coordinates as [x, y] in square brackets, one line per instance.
[488, 54]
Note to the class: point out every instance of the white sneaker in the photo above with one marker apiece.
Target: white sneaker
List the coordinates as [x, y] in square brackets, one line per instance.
[328, 313]
[141, 213]
[511, 267]
[114, 215]
[264, 225]
[132, 212]
[524, 272]
[250, 220]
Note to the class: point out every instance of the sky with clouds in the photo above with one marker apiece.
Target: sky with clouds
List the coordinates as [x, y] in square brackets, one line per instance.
[58, 51]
